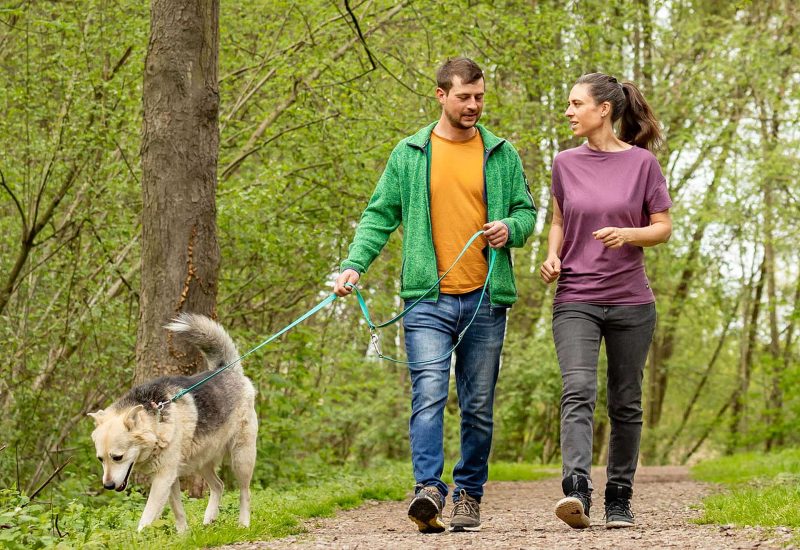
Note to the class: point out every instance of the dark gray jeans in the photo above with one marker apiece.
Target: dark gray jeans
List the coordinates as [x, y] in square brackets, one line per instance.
[577, 331]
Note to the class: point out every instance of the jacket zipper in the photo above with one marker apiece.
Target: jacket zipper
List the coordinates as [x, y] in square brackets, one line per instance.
[486, 200]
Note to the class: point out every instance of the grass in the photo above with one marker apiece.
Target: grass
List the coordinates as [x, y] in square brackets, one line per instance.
[516, 471]
[763, 490]
[110, 520]
[749, 467]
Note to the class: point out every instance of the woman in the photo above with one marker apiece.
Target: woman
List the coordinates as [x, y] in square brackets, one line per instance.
[610, 200]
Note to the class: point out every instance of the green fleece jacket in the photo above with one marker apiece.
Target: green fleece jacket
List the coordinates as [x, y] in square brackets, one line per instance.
[403, 196]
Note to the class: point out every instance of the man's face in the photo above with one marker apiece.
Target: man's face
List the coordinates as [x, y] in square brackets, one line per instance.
[463, 104]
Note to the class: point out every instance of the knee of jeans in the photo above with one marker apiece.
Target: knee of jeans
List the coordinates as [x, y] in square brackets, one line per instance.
[578, 395]
[429, 391]
[480, 415]
[625, 412]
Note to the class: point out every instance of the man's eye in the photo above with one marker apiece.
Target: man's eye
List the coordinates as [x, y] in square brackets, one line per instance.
[116, 458]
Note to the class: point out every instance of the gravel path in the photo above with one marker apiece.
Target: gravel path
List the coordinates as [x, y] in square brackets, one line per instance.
[519, 515]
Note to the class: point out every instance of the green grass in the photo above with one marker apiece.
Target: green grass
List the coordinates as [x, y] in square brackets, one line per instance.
[516, 471]
[762, 490]
[110, 520]
[770, 506]
[749, 467]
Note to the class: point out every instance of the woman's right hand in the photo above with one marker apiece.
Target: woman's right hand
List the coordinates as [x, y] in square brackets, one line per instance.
[551, 269]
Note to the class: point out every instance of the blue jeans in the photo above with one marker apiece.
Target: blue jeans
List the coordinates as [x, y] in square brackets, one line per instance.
[431, 329]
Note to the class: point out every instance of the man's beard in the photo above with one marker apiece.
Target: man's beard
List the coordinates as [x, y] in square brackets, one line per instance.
[455, 122]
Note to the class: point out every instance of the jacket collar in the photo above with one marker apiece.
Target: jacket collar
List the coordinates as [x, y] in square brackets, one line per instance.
[420, 139]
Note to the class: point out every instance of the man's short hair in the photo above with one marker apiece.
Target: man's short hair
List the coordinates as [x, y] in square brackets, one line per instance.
[464, 68]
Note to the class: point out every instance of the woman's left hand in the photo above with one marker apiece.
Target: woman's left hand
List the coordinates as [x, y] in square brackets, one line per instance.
[612, 237]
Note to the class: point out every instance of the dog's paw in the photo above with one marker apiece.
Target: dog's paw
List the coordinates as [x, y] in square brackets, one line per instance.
[209, 518]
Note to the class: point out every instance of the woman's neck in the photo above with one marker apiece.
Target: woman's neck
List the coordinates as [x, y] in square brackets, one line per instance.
[606, 141]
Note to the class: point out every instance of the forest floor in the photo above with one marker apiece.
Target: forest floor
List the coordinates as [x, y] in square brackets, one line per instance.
[519, 515]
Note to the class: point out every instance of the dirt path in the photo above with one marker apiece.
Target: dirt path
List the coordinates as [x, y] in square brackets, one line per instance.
[520, 516]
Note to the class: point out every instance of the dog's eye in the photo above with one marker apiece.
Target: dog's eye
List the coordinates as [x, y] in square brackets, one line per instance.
[100, 458]
[116, 458]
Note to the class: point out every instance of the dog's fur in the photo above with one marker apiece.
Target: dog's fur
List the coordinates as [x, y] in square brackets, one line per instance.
[192, 434]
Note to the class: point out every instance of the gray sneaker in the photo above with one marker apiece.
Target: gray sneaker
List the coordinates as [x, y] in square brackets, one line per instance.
[618, 507]
[466, 514]
[426, 510]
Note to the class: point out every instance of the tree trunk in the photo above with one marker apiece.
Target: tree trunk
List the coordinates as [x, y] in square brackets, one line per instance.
[180, 143]
[749, 334]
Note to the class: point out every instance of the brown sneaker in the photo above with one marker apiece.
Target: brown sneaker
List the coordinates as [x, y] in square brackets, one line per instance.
[426, 510]
[466, 514]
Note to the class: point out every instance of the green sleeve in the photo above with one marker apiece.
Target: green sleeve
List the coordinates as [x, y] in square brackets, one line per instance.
[522, 211]
[381, 217]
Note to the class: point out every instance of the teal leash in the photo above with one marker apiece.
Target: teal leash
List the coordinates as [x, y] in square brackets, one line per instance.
[372, 326]
[324, 303]
[374, 338]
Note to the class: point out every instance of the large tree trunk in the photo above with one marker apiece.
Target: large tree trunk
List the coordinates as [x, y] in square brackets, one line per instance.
[180, 254]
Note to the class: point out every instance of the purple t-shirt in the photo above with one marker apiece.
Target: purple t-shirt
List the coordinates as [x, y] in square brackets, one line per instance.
[597, 189]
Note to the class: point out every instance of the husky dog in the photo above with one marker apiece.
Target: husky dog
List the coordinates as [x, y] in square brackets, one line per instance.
[190, 435]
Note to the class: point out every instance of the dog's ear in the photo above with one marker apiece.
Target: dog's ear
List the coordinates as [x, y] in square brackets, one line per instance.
[133, 417]
[98, 415]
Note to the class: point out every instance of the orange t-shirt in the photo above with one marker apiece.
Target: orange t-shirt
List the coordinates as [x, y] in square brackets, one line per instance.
[458, 210]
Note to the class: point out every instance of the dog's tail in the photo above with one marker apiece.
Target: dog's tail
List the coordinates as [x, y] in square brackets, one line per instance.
[209, 337]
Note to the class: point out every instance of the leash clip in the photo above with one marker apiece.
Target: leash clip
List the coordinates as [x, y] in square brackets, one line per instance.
[376, 342]
[159, 407]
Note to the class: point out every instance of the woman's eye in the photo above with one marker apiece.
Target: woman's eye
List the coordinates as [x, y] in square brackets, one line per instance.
[116, 458]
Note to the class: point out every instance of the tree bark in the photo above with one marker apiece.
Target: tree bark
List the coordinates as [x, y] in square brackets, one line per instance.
[180, 144]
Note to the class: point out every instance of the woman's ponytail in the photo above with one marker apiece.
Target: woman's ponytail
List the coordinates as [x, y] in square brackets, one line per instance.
[638, 125]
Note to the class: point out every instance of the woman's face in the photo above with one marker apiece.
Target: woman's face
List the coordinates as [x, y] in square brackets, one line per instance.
[585, 116]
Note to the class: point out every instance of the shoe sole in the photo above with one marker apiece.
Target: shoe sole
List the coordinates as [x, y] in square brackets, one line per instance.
[424, 513]
[570, 511]
[462, 528]
[619, 524]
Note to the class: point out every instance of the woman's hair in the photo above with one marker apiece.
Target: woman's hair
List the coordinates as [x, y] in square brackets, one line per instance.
[638, 125]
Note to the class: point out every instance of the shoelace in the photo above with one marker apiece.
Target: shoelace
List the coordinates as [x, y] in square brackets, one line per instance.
[466, 507]
[619, 506]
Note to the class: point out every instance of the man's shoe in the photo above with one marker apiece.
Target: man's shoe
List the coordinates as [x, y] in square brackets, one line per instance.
[466, 514]
[426, 510]
[618, 507]
[574, 508]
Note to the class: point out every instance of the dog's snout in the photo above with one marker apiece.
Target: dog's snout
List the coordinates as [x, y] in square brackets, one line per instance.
[109, 485]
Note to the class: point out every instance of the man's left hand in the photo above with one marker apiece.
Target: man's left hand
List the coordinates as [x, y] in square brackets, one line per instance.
[496, 233]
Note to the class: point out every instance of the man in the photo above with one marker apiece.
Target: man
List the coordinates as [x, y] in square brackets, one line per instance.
[443, 184]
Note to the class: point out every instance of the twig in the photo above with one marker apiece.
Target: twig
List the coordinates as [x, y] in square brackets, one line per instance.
[48, 480]
[360, 35]
[16, 202]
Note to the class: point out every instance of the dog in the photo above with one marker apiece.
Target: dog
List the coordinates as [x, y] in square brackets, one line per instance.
[190, 435]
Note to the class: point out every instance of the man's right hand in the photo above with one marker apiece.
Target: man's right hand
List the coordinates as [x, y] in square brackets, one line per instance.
[551, 269]
[347, 276]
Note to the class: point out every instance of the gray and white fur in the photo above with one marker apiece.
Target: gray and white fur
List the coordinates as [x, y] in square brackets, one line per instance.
[191, 435]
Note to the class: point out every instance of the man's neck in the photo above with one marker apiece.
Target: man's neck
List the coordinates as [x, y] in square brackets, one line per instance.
[446, 130]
